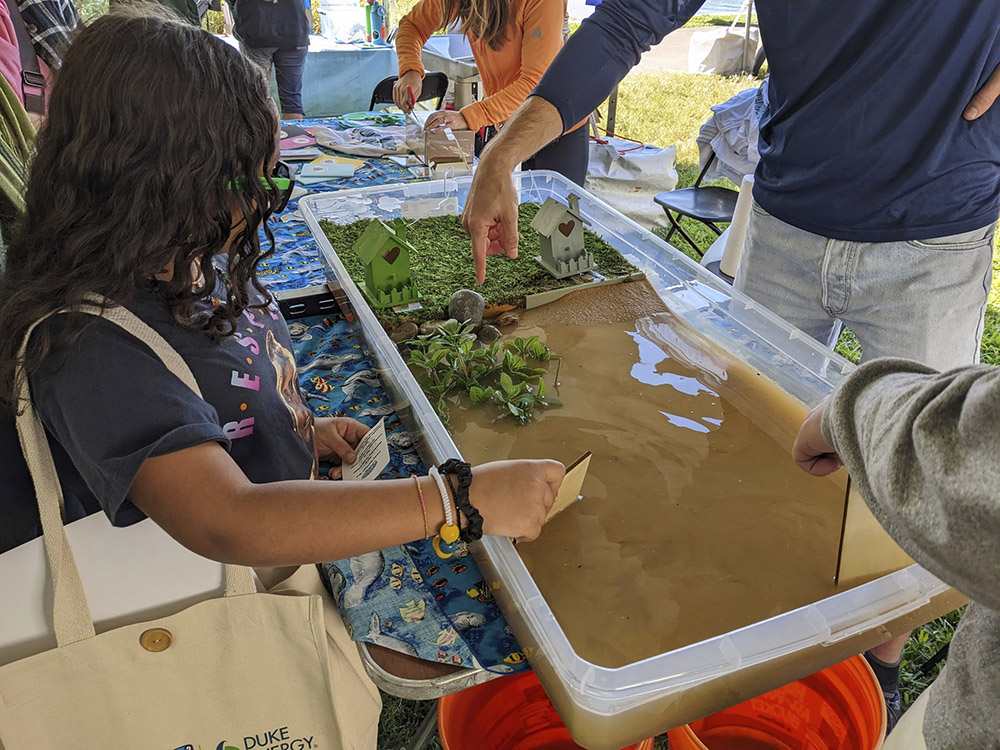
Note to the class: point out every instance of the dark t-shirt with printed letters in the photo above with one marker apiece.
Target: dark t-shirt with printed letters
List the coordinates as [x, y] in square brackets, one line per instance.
[108, 403]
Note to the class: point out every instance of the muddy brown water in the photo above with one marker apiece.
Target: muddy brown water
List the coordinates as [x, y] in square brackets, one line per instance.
[694, 520]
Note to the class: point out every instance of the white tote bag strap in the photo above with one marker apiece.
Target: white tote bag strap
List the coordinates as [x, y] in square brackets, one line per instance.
[71, 613]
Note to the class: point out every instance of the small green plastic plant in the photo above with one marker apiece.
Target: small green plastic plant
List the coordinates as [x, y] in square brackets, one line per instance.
[447, 362]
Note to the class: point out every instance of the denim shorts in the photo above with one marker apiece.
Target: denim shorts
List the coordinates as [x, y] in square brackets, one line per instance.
[918, 299]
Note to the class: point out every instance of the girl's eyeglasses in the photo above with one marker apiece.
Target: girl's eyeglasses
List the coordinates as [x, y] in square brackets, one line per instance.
[283, 181]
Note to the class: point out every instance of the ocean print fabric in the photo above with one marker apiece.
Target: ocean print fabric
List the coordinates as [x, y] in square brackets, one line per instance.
[405, 598]
[296, 263]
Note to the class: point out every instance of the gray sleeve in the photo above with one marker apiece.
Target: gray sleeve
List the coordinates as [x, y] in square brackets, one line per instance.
[923, 448]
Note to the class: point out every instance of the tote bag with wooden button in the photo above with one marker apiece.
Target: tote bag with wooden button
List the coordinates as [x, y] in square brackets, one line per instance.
[246, 670]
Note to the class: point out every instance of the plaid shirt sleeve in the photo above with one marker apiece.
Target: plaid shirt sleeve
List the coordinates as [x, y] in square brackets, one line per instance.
[50, 24]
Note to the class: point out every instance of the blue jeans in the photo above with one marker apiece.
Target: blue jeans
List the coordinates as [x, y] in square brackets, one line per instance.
[918, 299]
[289, 65]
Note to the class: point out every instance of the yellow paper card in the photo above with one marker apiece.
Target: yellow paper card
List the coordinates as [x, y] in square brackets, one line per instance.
[569, 491]
[866, 549]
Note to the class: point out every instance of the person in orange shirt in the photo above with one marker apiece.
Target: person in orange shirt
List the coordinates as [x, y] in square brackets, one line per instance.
[513, 42]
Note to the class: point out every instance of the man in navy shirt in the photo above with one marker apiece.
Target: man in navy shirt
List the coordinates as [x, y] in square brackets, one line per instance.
[878, 186]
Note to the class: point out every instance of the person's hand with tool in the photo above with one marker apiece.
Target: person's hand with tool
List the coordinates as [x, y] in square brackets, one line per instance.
[811, 451]
[445, 119]
[406, 90]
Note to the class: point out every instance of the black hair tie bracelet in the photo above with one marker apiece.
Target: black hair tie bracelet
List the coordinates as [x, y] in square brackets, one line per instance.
[473, 530]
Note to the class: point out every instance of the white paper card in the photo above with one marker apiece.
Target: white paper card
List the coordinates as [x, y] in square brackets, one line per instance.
[372, 455]
[424, 207]
[327, 169]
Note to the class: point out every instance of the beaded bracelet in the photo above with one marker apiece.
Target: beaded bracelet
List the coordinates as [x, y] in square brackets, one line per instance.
[423, 508]
[463, 473]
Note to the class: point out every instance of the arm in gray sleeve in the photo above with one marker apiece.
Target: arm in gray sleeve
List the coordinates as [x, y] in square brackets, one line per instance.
[605, 47]
[923, 448]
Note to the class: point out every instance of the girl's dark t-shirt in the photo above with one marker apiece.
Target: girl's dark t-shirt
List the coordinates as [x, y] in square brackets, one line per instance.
[108, 403]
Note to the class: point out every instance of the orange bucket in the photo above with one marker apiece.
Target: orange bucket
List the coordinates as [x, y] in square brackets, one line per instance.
[840, 708]
[509, 713]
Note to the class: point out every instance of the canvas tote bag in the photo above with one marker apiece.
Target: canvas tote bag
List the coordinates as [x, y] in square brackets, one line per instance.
[247, 671]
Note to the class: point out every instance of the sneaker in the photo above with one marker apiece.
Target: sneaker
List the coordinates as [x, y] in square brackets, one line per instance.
[893, 710]
[888, 679]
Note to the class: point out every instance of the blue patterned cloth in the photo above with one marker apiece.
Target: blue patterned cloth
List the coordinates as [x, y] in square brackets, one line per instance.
[405, 598]
[296, 262]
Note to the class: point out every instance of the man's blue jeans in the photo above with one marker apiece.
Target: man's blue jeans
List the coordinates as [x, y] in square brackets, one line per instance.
[918, 299]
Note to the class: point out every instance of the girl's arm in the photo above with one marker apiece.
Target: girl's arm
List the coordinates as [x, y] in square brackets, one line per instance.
[201, 498]
[540, 43]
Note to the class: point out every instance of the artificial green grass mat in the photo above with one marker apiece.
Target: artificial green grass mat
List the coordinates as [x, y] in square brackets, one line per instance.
[442, 263]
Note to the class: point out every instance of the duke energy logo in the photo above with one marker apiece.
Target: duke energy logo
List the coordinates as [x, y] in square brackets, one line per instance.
[272, 739]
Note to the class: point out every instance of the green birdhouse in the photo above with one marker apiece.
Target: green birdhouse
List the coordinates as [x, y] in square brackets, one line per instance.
[386, 256]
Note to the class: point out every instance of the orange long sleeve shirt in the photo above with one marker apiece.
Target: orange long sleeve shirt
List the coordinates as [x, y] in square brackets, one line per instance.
[534, 38]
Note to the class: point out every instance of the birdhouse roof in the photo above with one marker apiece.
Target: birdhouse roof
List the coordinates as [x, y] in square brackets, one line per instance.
[376, 237]
[550, 215]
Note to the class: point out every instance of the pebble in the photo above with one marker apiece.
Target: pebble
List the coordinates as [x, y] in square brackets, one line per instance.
[467, 305]
[404, 332]
[431, 326]
[488, 334]
[508, 318]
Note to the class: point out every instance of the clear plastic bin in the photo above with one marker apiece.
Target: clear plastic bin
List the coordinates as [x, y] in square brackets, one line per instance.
[608, 708]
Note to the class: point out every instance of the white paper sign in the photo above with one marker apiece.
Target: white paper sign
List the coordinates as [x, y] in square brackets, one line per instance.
[372, 455]
[425, 207]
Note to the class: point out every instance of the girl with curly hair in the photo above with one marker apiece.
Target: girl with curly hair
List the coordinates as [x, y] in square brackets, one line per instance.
[155, 171]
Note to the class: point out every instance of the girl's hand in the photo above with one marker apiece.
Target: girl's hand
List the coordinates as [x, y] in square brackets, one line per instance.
[446, 118]
[401, 96]
[336, 439]
[515, 496]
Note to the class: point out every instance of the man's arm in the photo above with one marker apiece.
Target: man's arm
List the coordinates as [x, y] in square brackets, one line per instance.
[490, 215]
[593, 61]
[604, 49]
[922, 449]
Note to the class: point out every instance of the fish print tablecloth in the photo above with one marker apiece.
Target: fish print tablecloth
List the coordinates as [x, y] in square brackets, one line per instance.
[405, 598]
[296, 263]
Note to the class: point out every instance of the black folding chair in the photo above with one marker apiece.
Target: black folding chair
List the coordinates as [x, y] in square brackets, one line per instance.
[710, 205]
[435, 87]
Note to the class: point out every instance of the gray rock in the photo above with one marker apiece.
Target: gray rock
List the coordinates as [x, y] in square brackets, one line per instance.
[431, 327]
[404, 332]
[467, 305]
[488, 334]
[506, 319]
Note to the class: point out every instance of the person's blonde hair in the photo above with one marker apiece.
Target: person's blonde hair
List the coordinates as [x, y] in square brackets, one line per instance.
[484, 19]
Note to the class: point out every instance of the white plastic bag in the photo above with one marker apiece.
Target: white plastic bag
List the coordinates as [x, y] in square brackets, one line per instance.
[627, 175]
[720, 51]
